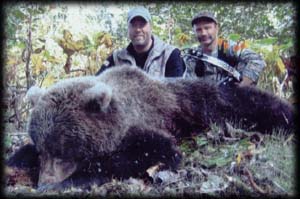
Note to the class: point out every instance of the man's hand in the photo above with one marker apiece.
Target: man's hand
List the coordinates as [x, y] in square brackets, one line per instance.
[246, 82]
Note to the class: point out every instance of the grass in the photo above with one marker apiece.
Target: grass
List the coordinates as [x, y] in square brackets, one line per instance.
[213, 165]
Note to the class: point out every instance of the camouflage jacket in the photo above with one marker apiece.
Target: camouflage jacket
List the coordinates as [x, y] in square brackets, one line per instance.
[244, 60]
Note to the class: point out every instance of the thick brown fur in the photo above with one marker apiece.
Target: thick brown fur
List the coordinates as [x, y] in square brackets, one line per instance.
[124, 121]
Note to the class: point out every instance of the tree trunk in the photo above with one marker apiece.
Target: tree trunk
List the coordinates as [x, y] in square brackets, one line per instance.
[29, 47]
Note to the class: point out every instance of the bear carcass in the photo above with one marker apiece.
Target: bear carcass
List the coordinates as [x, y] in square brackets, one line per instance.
[124, 121]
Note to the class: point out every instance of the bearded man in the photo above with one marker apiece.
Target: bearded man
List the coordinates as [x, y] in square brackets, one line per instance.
[146, 50]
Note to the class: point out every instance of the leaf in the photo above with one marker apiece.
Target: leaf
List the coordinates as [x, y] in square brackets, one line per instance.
[19, 14]
[107, 40]
[151, 171]
[21, 45]
[68, 45]
[7, 140]
[48, 81]
[39, 50]
[11, 61]
[239, 158]
[280, 67]
[53, 60]
[183, 38]
[221, 161]
[187, 146]
[103, 38]
[213, 184]
[201, 141]
[287, 46]
[37, 64]
[267, 41]
[217, 159]
[234, 37]
[67, 35]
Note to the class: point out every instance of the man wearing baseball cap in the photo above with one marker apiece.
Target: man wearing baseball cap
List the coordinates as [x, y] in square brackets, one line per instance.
[248, 63]
[146, 50]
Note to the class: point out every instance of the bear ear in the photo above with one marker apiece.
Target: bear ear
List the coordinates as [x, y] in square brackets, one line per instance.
[34, 94]
[98, 96]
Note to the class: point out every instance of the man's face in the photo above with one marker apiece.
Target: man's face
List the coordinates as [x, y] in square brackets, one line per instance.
[139, 32]
[206, 32]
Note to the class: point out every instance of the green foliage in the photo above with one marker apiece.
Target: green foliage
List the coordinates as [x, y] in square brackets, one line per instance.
[266, 24]
[243, 20]
[272, 52]
[7, 141]
[189, 145]
[280, 147]
[270, 161]
[234, 37]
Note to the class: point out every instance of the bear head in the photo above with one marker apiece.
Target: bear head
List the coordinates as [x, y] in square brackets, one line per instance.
[63, 122]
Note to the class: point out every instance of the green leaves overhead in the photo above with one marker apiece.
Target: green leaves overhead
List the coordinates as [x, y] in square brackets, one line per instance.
[267, 41]
[234, 37]
[62, 30]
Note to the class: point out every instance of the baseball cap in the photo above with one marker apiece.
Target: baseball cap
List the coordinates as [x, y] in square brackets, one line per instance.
[138, 12]
[203, 15]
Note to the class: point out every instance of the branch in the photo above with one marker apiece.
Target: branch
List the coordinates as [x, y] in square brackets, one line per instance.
[29, 46]
[238, 183]
[78, 70]
[15, 114]
[252, 183]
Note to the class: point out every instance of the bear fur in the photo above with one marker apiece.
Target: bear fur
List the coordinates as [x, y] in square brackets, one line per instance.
[87, 129]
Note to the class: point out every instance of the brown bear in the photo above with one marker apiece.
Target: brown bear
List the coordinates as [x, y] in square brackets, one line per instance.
[124, 121]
